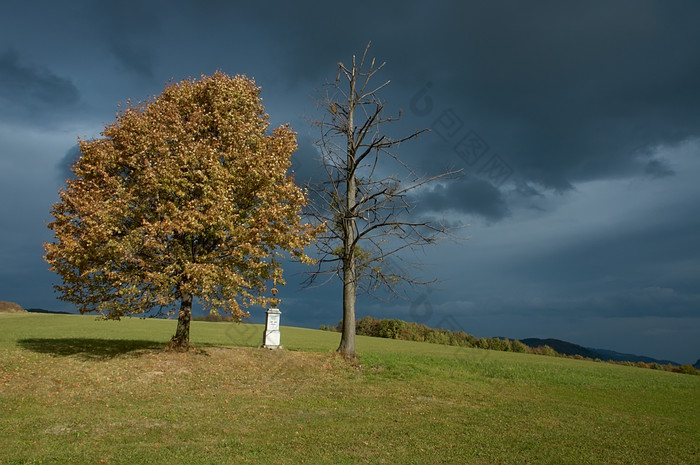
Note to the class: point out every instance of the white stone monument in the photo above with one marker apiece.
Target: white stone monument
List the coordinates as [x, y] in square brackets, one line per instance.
[271, 338]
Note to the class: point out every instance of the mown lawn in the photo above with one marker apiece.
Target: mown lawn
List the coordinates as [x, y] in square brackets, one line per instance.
[75, 390]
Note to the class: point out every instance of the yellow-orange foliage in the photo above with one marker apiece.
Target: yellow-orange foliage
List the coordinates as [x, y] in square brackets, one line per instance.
[184, 195]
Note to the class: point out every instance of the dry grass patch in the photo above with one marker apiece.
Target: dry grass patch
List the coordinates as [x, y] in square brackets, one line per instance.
[10, 307]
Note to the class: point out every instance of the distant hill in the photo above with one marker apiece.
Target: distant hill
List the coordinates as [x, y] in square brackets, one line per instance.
[619, 357]
[697, 364]
[10, 307]
[41, 310]
[563, 347]
[568, 348]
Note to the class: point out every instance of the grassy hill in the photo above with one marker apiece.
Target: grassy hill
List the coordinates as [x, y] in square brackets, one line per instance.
[76, 390]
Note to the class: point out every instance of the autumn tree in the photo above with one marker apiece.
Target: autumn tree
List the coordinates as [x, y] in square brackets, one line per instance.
[367, 210]
[185, 196]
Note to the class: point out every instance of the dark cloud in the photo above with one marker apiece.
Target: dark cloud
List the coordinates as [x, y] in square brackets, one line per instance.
[307, 36]
[635, 302]
[628, 270]
[471, 196]
[306, 162]
[133, 57]
[526, 190]
[129, 28]
[649, 301]
[32, 91]
[658, 169]
[564, 92]
[65, 165]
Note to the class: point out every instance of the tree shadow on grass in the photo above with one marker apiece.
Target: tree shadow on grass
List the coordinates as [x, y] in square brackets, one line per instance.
[89, 349]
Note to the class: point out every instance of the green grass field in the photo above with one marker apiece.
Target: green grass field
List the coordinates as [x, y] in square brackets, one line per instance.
[78, 391]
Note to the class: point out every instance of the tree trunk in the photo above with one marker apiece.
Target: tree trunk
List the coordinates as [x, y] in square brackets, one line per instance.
[347, 340]
[181, 339]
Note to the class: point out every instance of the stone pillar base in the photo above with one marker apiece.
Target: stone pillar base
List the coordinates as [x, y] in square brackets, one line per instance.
[271, 337]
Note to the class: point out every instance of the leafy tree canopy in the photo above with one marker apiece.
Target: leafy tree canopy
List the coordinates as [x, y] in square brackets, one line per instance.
[185, 195]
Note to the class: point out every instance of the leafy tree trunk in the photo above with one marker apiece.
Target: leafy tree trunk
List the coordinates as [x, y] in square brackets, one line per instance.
[181, 339]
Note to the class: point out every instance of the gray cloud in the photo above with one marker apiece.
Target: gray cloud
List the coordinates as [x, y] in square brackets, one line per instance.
[658, 169]
[134, 57]
[621, 303]
[129, 28]
[32, 91]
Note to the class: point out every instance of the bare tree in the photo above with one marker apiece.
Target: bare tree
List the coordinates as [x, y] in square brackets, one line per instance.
[367, 211]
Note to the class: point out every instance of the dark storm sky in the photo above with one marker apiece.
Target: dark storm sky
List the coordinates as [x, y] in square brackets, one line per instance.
[577, 125]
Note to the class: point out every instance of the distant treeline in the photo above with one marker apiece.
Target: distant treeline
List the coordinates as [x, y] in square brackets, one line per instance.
[399, 329]
[407, 331]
